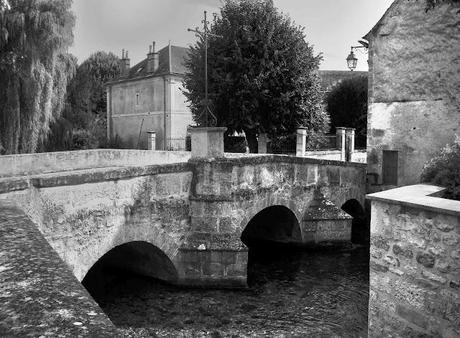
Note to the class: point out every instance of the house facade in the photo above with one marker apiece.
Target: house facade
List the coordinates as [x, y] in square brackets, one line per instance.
[148, 98]
[414, 89]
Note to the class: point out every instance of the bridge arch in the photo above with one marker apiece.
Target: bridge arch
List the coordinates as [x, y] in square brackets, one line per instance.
[276, 223]
[137, 257]
[360, 227]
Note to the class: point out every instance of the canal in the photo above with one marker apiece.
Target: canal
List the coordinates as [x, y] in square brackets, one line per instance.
[290, 294]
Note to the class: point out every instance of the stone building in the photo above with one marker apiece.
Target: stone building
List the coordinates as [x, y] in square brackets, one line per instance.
[414, 89]
[148, 97]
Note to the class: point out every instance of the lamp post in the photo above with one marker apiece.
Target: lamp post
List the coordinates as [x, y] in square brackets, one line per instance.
[205, 34]
[352, 60]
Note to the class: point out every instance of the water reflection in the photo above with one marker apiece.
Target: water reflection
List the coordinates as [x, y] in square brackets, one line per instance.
[300, 294]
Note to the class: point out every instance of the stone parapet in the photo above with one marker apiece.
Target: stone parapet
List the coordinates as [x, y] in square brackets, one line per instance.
[415, 263]
[40, 295]
[44, 163]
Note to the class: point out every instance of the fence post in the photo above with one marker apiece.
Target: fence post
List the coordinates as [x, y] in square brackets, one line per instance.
[301, 143]
[152, 141]
[262, 141]
[349, 144]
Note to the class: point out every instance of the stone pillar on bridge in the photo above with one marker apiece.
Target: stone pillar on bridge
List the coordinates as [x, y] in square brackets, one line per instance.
[301, 143]
[262, 143]
[349, 144]
[207, 142]
[152, 140]
[340, 141]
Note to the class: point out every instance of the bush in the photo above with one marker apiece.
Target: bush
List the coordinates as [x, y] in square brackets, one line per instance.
[444, 170]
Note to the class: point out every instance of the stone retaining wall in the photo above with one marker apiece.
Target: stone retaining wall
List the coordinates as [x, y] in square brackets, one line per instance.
[415, 264]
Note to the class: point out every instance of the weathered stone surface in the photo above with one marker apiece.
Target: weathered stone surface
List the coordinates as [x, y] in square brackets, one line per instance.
[39, 294]
[415, 292]
[403, 252]
[412, 316]
[425, 259]
[413, 86]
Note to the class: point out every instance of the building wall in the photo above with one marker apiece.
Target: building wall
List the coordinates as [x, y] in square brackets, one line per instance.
[181, 117]
[150, 104]
[414, 92]
[414, 264]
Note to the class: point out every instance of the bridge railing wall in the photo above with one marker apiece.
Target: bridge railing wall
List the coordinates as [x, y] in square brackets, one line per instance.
[415, 263]
[32, 164]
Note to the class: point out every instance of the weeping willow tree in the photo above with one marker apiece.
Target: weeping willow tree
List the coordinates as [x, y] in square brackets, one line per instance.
[34, 70]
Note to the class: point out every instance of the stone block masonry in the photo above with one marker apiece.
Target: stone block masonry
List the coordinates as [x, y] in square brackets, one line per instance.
[180, 222]
[39, 295]
[415, 264]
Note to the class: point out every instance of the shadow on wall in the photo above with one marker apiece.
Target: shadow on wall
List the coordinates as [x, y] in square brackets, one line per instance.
[275, 225]
[138, 258]
[360, 228]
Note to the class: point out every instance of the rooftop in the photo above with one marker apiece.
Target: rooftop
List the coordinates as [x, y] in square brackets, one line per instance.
[171, 61]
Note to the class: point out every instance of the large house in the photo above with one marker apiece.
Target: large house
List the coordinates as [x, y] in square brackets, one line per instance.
[414, 89]
[148, 98]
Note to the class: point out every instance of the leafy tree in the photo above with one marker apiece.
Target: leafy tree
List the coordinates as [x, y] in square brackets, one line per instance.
[347, 106]
[430, 4]
[83, 124]
[34, 70]
[444, 170]
[262, 74]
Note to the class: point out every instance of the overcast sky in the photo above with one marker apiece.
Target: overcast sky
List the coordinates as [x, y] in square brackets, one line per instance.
[331, 26]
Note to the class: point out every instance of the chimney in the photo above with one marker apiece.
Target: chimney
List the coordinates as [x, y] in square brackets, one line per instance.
[125, 63]
[152, 59]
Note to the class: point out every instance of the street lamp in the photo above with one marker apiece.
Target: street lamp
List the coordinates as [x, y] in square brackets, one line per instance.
[205, 34]
[352, 60]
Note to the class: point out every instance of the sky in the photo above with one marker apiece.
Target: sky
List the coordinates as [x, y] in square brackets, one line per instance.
[331, 26]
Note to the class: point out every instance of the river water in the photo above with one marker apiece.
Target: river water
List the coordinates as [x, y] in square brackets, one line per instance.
[291, 294]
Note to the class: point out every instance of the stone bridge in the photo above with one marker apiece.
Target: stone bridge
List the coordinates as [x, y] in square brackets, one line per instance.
[186, 221]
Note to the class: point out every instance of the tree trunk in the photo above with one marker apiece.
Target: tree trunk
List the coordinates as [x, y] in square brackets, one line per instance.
[251, 137]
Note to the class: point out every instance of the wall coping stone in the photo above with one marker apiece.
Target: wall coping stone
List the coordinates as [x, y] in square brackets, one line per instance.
[83, 176]
[42, 163]
[419, 196]
[270, 158]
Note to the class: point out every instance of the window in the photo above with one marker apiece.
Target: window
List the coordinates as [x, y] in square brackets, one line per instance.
[137, 99]
[390, 167]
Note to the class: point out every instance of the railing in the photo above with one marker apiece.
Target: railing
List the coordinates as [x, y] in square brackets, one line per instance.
[176, 144]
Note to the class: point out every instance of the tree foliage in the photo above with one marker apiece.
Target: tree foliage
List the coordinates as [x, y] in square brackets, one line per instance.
[430, 4]
[34, 70]
[262, 73]
[347, 106]
[84, 121]
[444, 169]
